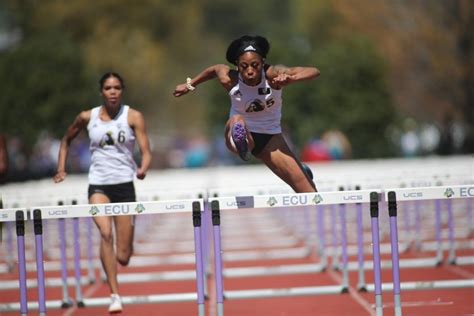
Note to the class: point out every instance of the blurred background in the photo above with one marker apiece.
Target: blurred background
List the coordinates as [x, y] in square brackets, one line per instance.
[397, 76]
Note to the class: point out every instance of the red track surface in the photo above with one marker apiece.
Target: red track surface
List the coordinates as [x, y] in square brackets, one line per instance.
[454, 302]
[430, 302]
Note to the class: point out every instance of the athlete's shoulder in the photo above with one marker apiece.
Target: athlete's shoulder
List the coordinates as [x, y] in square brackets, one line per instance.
[83, 118]
[85, 115]
[135, 117]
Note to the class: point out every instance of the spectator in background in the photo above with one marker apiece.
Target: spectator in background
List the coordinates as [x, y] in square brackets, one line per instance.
[409, 141]
[429, 138]
[17, 160]
[197, 152]
[337, 143]
[446, 142]
[452, 136]
[3, 156]
[333, 145]
[43, 159]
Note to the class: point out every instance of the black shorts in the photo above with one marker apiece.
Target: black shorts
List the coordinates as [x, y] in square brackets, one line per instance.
[117, 193]
[260, 140]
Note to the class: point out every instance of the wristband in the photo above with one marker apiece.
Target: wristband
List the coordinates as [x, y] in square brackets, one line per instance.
[189, 85]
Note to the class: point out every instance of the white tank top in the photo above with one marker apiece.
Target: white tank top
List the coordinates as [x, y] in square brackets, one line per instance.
[260, 105]
[111, 146]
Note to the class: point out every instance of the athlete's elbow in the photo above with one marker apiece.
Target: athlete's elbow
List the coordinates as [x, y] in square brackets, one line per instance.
[315, 73]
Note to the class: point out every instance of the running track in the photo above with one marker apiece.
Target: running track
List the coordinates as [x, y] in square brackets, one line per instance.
[236, 233]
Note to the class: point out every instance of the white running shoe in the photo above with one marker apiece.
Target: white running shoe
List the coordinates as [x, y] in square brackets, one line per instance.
[116, 304]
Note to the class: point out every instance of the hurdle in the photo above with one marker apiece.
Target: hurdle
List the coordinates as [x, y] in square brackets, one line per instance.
[37, 214]
[241, 203]
[426, 193]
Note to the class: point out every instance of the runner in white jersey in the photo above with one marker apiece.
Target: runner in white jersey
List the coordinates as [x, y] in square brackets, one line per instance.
[113, 129]
[111, 144]
[255, 90]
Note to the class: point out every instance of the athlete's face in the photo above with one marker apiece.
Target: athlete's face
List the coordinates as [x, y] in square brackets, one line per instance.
[112, 91]
[250, 68]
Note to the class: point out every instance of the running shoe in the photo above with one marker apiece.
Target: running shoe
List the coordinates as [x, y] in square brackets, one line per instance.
[239, 136]
[115, 305]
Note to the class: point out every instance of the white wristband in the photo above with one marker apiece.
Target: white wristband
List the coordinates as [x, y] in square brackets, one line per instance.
[189, 85]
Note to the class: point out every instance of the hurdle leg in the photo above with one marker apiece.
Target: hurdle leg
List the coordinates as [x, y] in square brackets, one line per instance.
[374, 215]
[452, 246]
[345, 271]
[199, 261]
[66, 302]
[307, 227]
[408, 237]
[90, 252]
[38, 228]
[417, 225]
[439, 249]
[77, 262]
[20, 235]
[360, 249]
[322, 239]
[205, 243]
[216, 221]
[10, 262]
[46, 240]
[470, 217]
[335, 248]
[392, 210]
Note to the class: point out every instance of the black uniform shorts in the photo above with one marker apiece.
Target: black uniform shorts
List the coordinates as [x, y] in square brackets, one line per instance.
[117, 193]
[260, 140]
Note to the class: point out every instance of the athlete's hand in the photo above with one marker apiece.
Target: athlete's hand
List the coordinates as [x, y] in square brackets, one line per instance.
[141, 174]
[180, 90]
[60, 176]
[282, 80]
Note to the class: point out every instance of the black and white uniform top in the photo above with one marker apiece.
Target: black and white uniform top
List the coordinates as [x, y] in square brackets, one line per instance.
[260, 105]
[111, 146]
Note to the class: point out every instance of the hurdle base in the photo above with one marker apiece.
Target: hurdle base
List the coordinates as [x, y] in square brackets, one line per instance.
[81, 304]
[66, 304]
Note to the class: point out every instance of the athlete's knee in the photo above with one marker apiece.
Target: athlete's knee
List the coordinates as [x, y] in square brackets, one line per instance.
[107, 236]
[237, 118]
[123, 255]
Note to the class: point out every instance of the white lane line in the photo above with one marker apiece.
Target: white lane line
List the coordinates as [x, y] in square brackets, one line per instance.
[460, 271]
[88, 293]
[438, 302]
[354, 294]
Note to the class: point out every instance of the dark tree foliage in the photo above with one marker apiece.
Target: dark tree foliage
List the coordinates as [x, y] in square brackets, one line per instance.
[44, 86]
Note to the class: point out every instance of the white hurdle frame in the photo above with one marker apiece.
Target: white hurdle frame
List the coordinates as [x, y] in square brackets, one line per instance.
[416, 194]
[193, 206]
[277, 201]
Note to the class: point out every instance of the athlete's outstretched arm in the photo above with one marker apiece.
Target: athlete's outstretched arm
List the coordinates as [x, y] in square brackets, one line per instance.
[281, 76]
[73, 130]
[137, 122]
[221, 71]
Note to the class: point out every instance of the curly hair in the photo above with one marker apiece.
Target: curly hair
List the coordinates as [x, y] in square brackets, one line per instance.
[245, 43]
